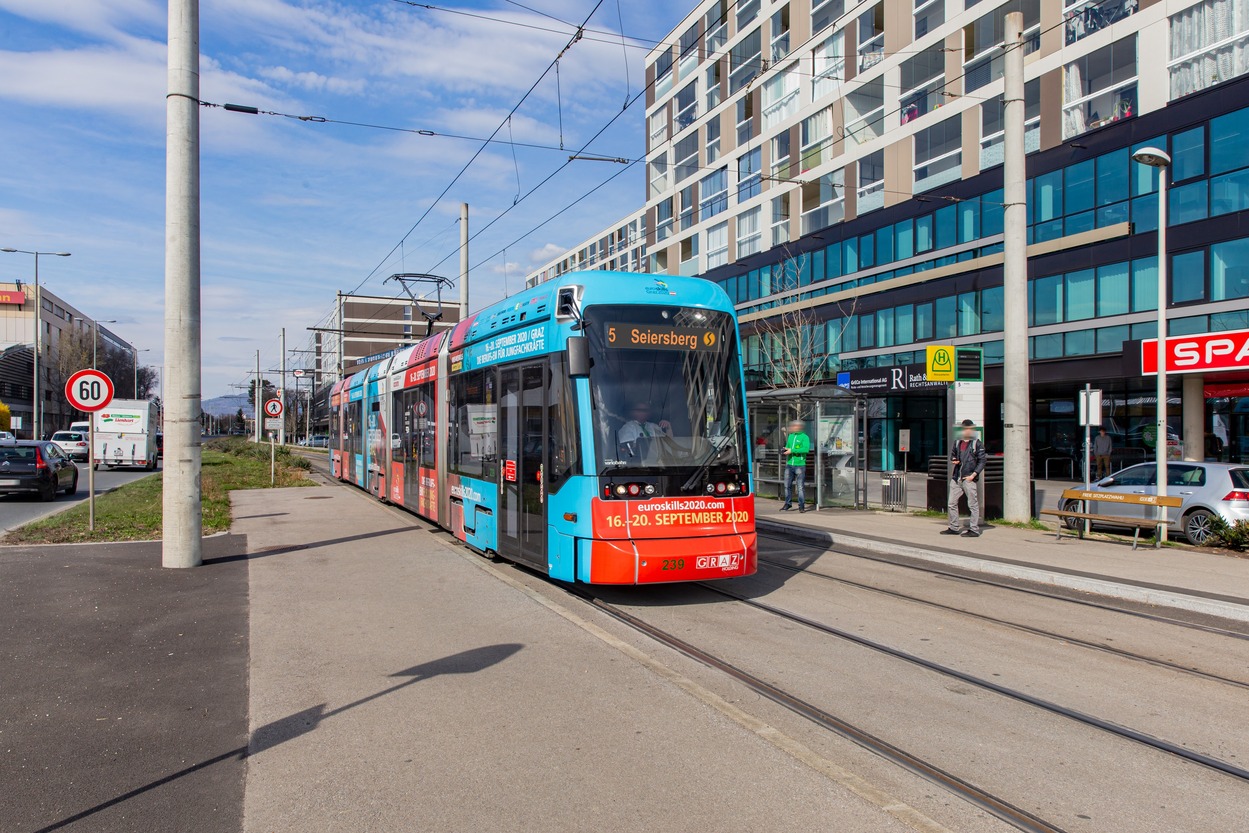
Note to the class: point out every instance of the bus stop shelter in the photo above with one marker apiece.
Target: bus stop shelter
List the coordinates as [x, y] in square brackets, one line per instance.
[836, 421]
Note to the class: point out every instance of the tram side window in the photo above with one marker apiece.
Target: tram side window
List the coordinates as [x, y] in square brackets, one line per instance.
[423, 437]
[336, 440]
[352, 444]
[401, 421]
[473, 430]
[562, 422]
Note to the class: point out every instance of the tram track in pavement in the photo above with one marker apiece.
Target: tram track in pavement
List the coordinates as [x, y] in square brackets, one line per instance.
[1110, 727]
[992, 804]
[1058, 637]
[1030, 591]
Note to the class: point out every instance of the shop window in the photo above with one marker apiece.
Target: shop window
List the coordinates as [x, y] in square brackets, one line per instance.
[1188, 277]
[1208, 43]
[1229, 270]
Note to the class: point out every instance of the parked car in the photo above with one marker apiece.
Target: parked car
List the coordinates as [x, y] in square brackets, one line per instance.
[1209, 491]
[6, 436]
[36, 466]
[319, 441]
[74, 444]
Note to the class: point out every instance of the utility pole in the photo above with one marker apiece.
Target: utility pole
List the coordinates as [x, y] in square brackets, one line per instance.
[259, 393]
[1016, 387]
[463, 261]
[182, 522]
[342, 341]
[282, 394]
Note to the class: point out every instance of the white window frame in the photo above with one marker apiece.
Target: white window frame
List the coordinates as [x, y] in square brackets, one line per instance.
[750, 242]
[717, 245]
[657, 126]
[780, 227]
[834, 205]
[785, 104]
[659, 181]
[707, 200]
[828, 71]
[687, 116]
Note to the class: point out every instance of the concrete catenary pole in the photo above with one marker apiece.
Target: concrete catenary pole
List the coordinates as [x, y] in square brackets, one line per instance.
[258, 392]
[182, 522]
[463, 261]
[1016, 389]
[282, 395]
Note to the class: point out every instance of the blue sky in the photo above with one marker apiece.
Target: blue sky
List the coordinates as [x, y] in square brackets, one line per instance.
[295, 211]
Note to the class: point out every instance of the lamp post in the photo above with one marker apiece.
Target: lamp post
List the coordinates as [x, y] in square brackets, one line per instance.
[95, 334]
[136, 351]
[35, 411]
[1155, 158]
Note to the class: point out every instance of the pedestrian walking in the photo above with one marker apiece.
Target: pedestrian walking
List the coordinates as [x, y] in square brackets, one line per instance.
[968, 456]
[797, 447]
[1102, 447]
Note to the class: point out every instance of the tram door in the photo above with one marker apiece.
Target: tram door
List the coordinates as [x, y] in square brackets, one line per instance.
[522, 449]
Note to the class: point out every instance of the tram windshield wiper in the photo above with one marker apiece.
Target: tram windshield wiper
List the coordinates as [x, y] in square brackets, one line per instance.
[716, 449]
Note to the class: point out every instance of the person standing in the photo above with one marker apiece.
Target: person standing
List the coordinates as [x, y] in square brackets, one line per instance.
[797, 446]
[1102, 447]
[968, 456]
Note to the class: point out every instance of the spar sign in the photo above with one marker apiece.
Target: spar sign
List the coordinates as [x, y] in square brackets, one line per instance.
[1208, 352]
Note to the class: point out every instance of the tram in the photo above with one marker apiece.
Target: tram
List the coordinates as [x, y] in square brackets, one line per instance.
[591, 428]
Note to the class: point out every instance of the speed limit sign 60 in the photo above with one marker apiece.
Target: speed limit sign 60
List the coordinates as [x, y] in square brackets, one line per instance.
[89, 390]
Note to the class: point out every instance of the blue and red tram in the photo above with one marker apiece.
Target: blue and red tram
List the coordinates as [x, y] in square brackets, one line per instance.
[592, 428]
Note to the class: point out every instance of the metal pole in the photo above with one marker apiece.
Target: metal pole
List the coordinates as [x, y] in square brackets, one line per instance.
[36, 413]
[282, 395]
[95, 343]
[1160, 431]
[1016, 404]
[258, 387]
[463, 261]
[1088, 433]
[182, 524]
[91, 473]
[272, 461]
[135, 390]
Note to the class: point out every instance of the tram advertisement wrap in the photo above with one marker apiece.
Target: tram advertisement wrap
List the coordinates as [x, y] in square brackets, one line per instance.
[673, 517]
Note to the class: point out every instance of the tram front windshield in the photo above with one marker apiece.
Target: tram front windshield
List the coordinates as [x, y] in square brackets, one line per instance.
[666, 388]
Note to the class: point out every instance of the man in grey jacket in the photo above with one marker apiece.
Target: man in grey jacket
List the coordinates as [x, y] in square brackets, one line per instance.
[968, 456]
[1102, 446]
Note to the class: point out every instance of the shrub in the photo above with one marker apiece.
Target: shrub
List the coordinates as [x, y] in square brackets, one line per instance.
[1230, 536]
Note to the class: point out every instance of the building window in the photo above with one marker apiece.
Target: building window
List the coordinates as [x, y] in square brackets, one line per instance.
[780, 96]
[713, 139]
[689, 256]
[1209, 44]
[825, 13]
[716, 24]
[715, 193]
[744, 61]
[780, 35]
[687, 106]
[658, 126]
[749, 232]
[993, 126]
[1084, 17]
[747, 10]
[713, 86]
[689, 50]
[984, 43]
[663, 73]
[828, 66]
[1100, 87]
[938, 154]
[717, 245]
[686, 154]
[688, 213]
[817, 135]
[865, 112]
[1188, 278]
[823, 201]
[923, 82]
[929, 14]
[781, 169]
[749, 174]
[659, 173]
[871, 191]
[745, 119]
[780, 219]
[871, 37]
[663, 219]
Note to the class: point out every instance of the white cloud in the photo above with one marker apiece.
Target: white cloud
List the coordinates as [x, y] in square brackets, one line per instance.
[312, 81]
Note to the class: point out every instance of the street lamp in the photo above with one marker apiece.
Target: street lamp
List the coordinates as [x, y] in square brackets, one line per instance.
[35, 411]
[136, 352]
[95, 333]
[1155, 158]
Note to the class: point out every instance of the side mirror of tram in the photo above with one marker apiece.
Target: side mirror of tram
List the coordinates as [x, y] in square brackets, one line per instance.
[578, 354]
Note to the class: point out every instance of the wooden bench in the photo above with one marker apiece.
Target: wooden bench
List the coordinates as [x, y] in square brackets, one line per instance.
[1136, 524]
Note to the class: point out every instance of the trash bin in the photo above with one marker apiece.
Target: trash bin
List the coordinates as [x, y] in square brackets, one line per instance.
[893, 490]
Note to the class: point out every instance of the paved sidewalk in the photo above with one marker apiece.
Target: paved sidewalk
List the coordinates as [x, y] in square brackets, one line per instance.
[396, 686]
[1189, 579]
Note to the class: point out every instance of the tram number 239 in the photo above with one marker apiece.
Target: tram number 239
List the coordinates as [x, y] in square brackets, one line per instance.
[672, 564]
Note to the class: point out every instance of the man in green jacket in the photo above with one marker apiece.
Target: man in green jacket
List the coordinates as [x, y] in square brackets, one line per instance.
[797, 446]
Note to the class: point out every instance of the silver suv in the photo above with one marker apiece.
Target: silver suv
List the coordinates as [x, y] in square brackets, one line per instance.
[1207, 489]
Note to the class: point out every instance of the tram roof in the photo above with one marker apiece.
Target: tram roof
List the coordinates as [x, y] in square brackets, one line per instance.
[807, 394]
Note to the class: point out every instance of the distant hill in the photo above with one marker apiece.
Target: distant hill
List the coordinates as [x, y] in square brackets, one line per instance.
[226, 405]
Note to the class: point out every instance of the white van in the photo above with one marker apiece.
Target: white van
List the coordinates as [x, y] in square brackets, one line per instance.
[125, 434]
[84, 427]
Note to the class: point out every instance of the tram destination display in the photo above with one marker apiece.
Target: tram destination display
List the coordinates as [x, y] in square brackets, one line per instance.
[662, 337]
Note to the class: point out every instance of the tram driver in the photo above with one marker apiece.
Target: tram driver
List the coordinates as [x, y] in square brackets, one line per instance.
[636, 437]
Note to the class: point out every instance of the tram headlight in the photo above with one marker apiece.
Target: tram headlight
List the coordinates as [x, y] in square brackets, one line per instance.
[649, 489]
[711, 488]
[621, 491]
[732, 488]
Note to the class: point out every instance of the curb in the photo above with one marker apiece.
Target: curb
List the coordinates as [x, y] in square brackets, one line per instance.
[1054, 578]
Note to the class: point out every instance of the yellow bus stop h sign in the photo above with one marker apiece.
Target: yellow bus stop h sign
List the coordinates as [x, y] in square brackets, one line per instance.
[940, 363]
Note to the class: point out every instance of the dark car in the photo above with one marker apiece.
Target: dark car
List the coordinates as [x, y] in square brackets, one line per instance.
[160, 445]
[36, 467]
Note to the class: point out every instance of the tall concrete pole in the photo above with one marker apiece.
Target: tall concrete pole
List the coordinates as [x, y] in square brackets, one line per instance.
[1016, 388]
[258, 396]
[1160, 428]
[35, 411]
[463, 261]
[282, 395]
[182, 524]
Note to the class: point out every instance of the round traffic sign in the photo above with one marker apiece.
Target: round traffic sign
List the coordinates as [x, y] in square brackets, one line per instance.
[89, 390]
[273, 407]
[297, 373]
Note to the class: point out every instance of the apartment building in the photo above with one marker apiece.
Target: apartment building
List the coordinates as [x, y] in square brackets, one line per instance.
[620, 248]
[841, 160]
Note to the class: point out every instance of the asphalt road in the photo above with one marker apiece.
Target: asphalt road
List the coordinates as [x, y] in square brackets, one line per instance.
[16, 510]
